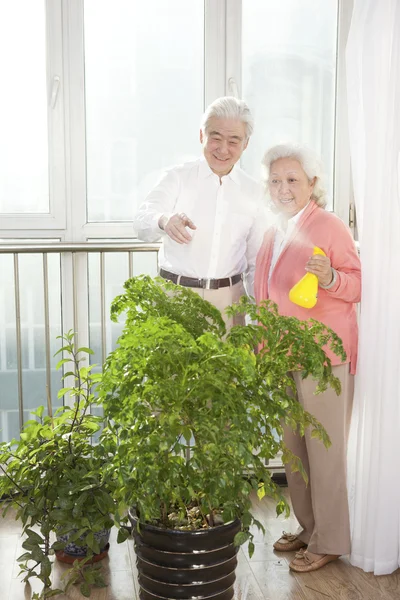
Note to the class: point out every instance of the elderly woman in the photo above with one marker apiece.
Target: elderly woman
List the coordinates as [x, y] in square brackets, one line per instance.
[293, 180]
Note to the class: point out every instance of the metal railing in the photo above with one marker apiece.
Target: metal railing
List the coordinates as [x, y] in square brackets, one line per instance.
[74, 293]
[74, 306]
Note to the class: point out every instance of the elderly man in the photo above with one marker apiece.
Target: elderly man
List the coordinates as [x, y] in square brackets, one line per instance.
[209, 213]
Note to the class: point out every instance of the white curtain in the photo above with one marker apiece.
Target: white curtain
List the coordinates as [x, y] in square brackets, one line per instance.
[373, 77]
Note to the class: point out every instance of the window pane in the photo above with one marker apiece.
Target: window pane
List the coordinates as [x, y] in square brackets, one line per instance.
[23, 108]
[116, 272]
[144, 68]
[289, 71]
[33, 344]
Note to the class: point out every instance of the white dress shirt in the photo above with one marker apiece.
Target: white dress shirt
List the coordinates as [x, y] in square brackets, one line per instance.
[229, 215]
[282, 236]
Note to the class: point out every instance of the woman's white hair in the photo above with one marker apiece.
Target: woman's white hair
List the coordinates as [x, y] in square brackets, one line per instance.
[309, 161]
[228, 107]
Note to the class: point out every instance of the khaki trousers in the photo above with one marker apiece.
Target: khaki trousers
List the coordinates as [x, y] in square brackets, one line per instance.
[322, 507]
[224, 297]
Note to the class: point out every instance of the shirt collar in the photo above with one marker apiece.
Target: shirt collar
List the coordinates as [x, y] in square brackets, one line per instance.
[291, 223]
[234, 174]
[296, 217]
[205, 171]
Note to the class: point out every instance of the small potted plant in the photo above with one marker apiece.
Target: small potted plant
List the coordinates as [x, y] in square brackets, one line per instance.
[53, 477]
[187, 406]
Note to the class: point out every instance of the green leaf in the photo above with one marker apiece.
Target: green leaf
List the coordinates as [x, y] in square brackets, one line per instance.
[68, 349]
[251, 549]
[68, 374]
[89, 575]
[259, 525]
[123, 535]
[281, 507]
[92, 543]
[85, 589]
[38, 554]
[86, 350]
[33, 537]
[38, 412]
[45, 569]
[58, 545]
[24, 557]
[240, 538]
[261, 491]
[61, 362]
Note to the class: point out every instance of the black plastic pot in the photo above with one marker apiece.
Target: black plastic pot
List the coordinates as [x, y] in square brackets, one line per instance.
[182, 565]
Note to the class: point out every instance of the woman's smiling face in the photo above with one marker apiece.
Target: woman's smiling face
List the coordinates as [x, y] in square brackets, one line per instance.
[289, 186]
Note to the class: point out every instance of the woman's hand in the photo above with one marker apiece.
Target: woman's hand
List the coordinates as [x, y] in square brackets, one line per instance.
[321, 267]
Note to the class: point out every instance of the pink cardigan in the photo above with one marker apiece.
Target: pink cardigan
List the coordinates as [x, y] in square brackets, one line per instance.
[335, 307]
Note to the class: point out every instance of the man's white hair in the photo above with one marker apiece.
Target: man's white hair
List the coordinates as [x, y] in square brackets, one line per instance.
[309, 161]
[228, 107]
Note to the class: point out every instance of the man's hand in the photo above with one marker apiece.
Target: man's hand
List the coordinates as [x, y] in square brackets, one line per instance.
[175, 227]
[321, 267]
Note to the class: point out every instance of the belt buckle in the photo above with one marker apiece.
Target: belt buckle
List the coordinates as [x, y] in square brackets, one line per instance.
[206, 284]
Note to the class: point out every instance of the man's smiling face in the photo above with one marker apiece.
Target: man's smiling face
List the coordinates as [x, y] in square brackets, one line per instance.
[223, 144]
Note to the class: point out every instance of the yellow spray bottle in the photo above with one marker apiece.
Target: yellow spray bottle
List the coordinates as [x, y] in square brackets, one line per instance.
[304, 293]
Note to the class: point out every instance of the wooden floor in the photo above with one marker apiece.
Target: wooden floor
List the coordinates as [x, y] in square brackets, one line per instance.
[265, 577]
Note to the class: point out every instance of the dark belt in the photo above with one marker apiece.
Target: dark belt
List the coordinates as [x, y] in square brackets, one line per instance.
[205, 284]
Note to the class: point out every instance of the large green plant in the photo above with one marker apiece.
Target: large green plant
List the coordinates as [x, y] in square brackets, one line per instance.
[189, 405]
[53, 477]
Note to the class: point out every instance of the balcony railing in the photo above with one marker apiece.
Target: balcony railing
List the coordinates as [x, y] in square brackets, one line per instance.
[47, 289]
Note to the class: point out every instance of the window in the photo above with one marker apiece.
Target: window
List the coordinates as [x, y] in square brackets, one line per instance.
[24, 168]
[102, 96]
[32, 158]
[289, 76]
[144, 75]
[106, 94]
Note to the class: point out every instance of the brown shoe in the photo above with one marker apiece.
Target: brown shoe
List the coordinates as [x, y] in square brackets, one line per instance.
[288, 543]
[304, 562]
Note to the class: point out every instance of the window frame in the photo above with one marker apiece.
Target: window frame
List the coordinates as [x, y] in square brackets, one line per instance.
[67, 143]
[55, 219]
[343, 196]
[342, 185]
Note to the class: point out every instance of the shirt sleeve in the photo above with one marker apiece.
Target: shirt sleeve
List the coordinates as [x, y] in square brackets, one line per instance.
[346, 262]
[254, 240]
[160, 201]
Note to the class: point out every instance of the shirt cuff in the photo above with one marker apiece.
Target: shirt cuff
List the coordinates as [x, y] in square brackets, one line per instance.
[332, 283]
[156, 218]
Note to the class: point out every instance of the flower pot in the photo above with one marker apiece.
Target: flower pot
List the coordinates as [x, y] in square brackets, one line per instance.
[69, 559]
[182, 565]
[75, 550]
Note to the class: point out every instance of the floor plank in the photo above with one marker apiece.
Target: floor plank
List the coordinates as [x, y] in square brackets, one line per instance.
[246, 586]
[340, 581]
[264, 577]
[276, 581]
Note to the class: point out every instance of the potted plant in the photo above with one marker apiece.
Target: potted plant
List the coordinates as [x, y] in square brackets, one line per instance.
[53, 477]
[187, 407]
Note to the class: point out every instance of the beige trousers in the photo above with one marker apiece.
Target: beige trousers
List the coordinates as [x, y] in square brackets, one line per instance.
[322, 507]
[224, 297]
